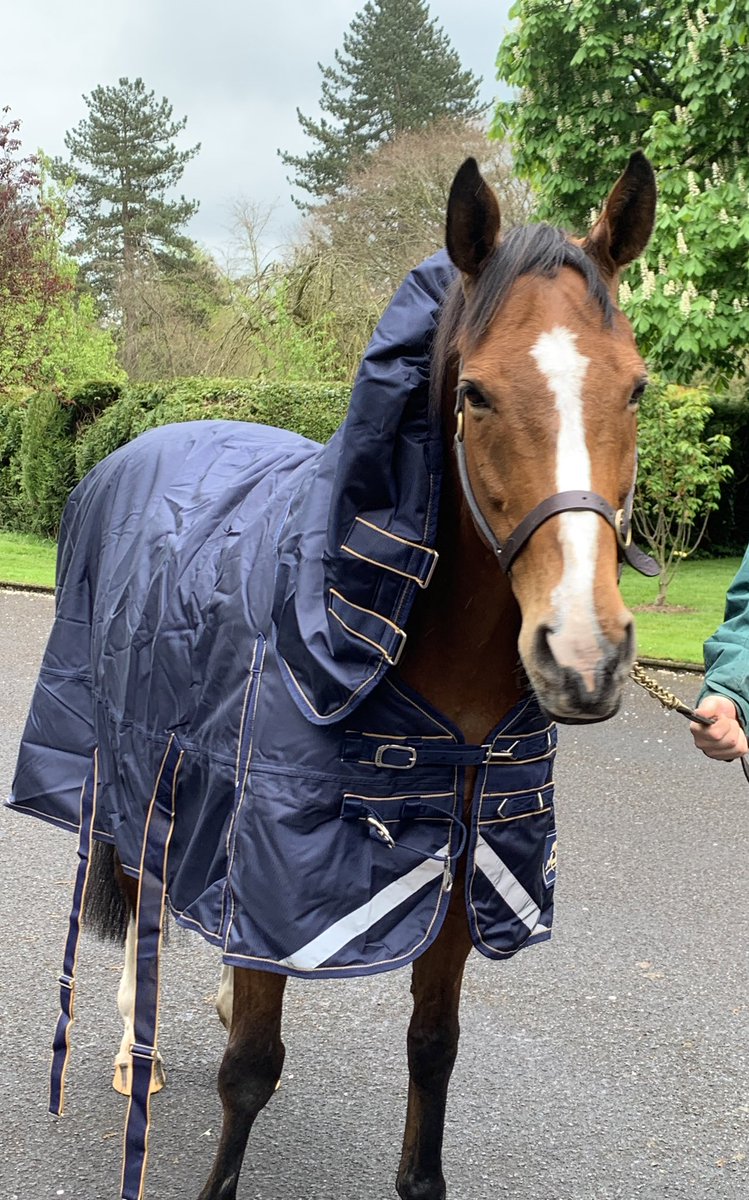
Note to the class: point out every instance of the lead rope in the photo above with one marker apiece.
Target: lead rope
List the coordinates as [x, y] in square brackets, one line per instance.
[666, 698]
[669, 700]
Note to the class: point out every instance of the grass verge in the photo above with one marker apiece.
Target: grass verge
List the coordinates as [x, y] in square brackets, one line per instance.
[27, 560]
[696, 600]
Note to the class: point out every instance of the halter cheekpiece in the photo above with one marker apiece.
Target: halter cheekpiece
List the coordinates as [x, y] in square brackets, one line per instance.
[506, 552]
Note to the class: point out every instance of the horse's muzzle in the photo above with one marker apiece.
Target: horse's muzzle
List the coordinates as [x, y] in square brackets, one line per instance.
[592, 692]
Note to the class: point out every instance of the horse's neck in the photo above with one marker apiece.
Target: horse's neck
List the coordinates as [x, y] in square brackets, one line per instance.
[462, 653]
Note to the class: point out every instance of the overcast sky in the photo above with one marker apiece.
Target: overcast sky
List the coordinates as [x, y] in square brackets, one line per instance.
[237, 70]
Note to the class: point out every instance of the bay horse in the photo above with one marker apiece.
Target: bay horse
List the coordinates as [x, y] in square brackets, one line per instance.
[539, 464]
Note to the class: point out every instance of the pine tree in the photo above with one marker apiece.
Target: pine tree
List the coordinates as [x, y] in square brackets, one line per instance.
[397, 71]
[123, 162]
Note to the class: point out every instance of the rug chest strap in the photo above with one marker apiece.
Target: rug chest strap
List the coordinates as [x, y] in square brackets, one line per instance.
[61, 1043]
[149, 917]
[402, 756]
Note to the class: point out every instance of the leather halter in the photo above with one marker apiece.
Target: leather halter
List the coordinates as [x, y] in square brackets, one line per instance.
[619, 519]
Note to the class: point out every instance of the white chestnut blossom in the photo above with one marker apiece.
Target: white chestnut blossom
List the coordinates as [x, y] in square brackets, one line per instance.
[647, 288]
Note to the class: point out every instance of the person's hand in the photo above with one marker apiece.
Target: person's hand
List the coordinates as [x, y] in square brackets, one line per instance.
[725, 739]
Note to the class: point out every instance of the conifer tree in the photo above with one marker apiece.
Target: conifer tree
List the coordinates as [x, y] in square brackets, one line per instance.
[124, 161]
[397, 71]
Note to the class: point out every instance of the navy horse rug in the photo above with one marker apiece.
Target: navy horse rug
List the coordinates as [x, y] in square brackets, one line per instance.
[220, 695]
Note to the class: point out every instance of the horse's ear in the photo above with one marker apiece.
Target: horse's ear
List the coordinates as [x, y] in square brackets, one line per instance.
[472, 219]
[622, 231]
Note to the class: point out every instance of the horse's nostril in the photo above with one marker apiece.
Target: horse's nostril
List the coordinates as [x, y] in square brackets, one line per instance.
[544, 652]
[628, 641]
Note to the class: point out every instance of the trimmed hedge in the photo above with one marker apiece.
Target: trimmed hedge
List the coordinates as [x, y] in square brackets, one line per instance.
[313, 410]
[12, 420]
[47, 462]
[728, 527]
[47, 444]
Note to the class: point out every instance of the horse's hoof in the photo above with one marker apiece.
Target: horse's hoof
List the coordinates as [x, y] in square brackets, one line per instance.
[123, 1077]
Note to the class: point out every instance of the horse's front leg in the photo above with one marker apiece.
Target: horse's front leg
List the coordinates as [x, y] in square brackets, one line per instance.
[432, 1048]
[249, 1072]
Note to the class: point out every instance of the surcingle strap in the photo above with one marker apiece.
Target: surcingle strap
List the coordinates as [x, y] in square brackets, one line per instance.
[149, 918]
[61, 1043]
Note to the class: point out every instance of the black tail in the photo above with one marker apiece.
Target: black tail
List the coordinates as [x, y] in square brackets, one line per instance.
[107, 909]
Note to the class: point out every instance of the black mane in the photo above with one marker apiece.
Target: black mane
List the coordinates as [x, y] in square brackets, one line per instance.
[529, 250]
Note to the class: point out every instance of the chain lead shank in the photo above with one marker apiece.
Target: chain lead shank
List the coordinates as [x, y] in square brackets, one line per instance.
[666, 698]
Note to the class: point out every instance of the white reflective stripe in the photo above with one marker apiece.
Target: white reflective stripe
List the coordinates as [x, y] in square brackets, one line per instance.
[320, 949]
[539, 929]
[503, 881]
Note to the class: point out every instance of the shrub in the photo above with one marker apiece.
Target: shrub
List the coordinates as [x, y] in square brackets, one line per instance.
[116, 425]
[681, 470]
[64, 439]
[12, 418]
[728, 527]
[313, 410]
[47, 458]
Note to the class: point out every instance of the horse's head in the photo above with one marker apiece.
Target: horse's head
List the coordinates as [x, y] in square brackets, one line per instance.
[549, 379]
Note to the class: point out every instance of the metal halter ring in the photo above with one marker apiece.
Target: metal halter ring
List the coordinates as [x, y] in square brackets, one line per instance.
[625, 541]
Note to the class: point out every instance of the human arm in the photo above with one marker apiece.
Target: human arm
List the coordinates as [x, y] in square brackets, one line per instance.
[725, 694]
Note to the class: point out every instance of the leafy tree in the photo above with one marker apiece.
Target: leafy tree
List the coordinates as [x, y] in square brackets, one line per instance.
[597, 78]
[679, 477]
[31, 278]
[49, 335]
[397, 71]
[345, 277]
[123, 162]
[399, 196]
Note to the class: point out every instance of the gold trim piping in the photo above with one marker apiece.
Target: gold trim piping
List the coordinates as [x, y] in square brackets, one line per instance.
[238, 807]
[370, 612]
[362, 637]
[158, 952]
[87, 872]
[422, 583]
[396, 537]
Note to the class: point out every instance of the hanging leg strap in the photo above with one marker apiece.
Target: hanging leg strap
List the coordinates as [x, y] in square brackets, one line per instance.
[61, 1043]
[149, 917]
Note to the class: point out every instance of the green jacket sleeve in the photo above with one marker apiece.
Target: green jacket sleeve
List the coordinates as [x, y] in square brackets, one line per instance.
[727, 651]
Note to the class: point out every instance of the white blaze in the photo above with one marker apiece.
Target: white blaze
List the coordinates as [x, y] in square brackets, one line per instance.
[576, 637]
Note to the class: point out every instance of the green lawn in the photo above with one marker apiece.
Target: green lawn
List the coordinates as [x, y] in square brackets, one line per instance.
[699, 588]
[27, 560]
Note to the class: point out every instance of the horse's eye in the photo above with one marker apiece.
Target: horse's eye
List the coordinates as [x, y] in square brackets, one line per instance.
[637, 393]
[473, 396]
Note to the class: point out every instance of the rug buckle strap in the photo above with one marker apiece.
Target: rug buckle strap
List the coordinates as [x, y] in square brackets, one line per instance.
[390, 748]
[61, 1042]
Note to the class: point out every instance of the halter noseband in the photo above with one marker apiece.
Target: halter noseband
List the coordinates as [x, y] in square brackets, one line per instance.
[619, 519]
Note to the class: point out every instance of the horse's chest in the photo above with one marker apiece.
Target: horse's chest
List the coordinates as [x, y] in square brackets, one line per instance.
[342, 842]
